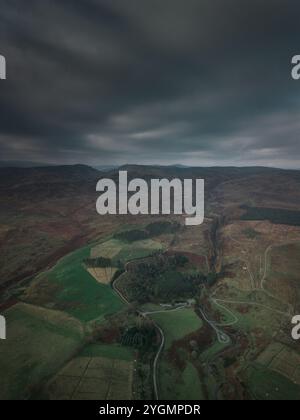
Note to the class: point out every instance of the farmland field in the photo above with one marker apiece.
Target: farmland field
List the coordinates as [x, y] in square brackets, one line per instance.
[112, 351]
[119, 253]
[40, 342]
[283, 276]
[282, 360]
[266, 384]
[108, 249]
[177, 324]
[73, 290]
[178, 382]
[125, 252]
[103, 275]
[84, 324]
[246, 309]
[178, 385]
[93, 378]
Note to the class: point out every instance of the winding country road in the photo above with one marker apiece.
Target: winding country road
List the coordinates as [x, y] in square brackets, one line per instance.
[161, 333]
[156, 360]
[223, 338]
[261, 288]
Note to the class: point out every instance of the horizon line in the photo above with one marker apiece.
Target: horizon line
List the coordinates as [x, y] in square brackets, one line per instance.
[36, 165]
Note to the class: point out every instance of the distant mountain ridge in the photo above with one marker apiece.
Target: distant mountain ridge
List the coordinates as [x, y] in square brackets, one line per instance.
[22, 164]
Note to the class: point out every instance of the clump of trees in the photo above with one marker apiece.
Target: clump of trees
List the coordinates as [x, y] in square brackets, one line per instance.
[277, 216]
[151, 230]
[138, 338]
[141, 336]
[157, 264]
[132, 235]
[211, 279]
[99, 262]
[160, 279]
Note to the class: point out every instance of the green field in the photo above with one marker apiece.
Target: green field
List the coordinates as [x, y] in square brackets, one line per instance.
[256, 306]
[40, 341]
[265, 384]
[176, 385]
[111, 351]
[75, 291]
[140, 249]
[43, 338]
[177, 324]
[212, 351]
[123, 252]
[283, 276]
[107, 249]
[92, 378]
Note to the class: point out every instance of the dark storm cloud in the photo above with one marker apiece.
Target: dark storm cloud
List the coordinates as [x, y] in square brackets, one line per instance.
[145, 81]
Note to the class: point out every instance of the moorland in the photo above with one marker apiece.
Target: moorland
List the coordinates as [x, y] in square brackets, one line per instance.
[145, 307]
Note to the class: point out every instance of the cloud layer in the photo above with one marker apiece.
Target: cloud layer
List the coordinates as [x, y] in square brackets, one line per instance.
[200, 82]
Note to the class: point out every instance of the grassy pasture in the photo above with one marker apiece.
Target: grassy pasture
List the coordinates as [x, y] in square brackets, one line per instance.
[265, 384]
[39, 342]
[103, 275]
[266, 357]
[93, 378]
[252, 309]
[283, 275]
[282, 360]
[176, 385]
[124, 252]
[177, 324]
[139, 249]
[75, 291]
[108, 249]
[111, 351]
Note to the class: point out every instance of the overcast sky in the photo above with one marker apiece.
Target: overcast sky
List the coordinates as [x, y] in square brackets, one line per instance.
[195, 82]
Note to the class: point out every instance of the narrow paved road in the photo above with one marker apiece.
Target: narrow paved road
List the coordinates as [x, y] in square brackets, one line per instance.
[161, 333]
[156, 360]
[223, 338]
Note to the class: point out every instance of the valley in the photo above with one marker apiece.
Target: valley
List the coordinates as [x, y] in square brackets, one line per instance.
[144, 307]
